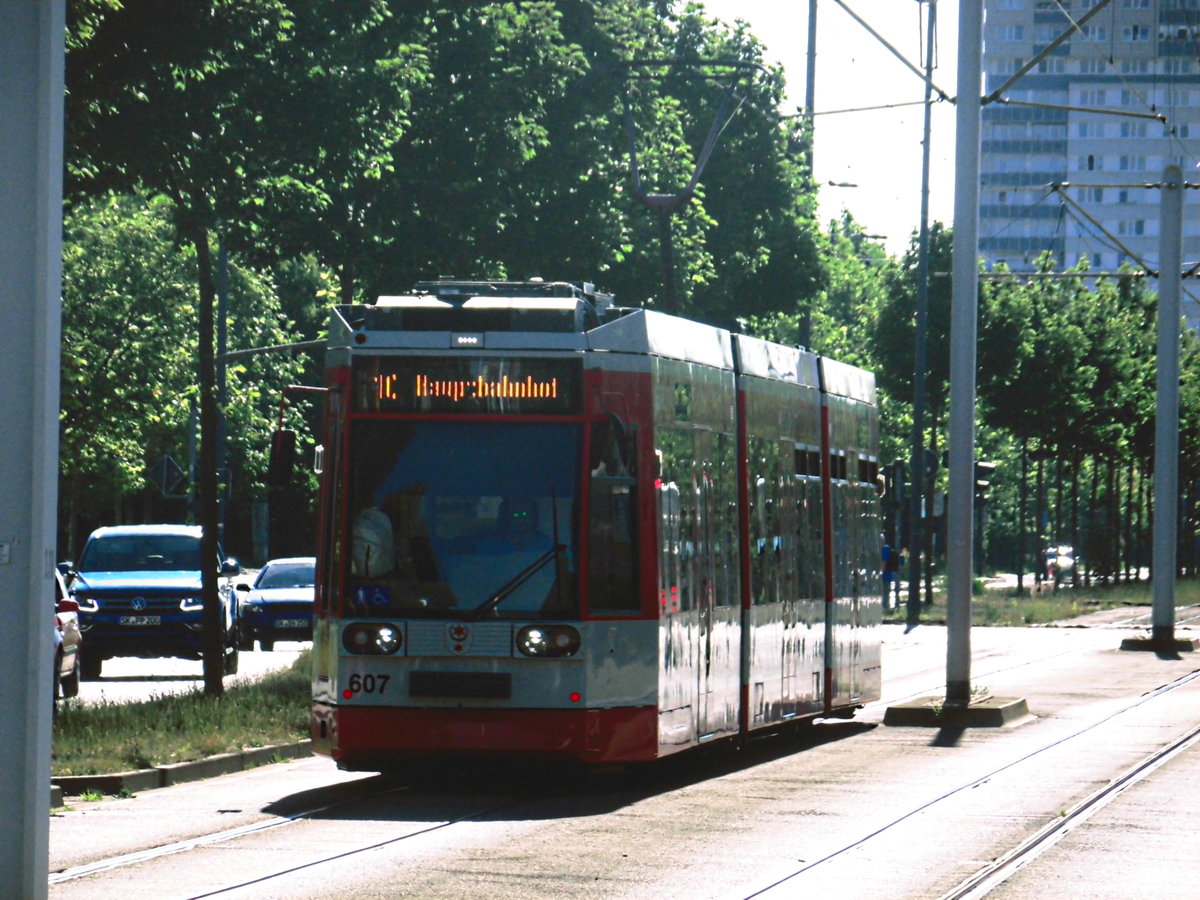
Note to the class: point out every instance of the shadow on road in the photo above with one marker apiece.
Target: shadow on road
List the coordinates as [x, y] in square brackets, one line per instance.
[517, 790]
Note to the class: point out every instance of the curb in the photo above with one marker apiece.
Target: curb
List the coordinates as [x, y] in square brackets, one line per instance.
[989, 712]
[174, 773]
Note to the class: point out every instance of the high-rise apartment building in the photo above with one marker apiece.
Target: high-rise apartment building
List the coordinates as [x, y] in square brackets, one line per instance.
[1068, 149]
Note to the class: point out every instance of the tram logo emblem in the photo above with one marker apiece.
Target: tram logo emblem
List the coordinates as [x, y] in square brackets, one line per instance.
[458, 637]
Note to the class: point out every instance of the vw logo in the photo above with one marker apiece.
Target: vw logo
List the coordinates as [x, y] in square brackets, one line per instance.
[138, 603]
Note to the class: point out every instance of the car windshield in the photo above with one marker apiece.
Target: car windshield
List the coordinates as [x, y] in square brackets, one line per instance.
[140, 553]
[287, 575]
[460, 519]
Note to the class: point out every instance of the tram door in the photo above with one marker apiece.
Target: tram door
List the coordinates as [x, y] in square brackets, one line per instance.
[717, 599]
[707, 720]
[331, 548]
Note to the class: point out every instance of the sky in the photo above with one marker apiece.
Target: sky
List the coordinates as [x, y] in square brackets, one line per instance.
[877, 150]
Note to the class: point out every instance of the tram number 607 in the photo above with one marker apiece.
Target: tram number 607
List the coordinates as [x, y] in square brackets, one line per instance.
[368, 684]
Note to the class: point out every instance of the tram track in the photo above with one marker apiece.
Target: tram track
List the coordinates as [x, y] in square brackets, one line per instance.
[979, 672]
[256, 828]
[365, 848]
[505, 805]
[985, 880]
[1184, 615]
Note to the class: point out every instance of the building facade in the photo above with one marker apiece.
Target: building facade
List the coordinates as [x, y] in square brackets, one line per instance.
[1070, 152]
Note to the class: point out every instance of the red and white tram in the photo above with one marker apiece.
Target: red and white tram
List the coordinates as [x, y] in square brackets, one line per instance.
[551, 527]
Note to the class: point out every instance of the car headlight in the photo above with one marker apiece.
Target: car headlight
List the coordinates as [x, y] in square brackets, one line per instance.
[372, 638]
[548, 640]
[191, 604]
[252, 608]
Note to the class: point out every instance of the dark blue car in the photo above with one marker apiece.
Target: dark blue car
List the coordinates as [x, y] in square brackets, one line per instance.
[139, 593]
[279, 605]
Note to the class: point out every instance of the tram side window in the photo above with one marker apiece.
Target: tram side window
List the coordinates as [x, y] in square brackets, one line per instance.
[612, 529]
[811, 547]
[612, 570]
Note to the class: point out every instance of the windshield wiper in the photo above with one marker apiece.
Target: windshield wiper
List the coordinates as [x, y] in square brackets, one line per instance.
[510, 587]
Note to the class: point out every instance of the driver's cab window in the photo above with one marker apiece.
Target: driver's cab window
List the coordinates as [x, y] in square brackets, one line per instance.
[457, 518]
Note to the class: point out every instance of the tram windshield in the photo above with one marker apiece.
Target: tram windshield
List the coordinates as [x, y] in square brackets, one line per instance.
[463, 519]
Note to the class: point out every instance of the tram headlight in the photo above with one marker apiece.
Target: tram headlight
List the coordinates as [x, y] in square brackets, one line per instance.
[548, 640]
[372, 638]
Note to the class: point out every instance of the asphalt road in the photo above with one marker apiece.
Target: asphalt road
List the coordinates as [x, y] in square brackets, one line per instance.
[126, 679]
[850, 810]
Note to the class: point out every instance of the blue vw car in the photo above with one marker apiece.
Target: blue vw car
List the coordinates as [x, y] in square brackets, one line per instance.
[139, 593]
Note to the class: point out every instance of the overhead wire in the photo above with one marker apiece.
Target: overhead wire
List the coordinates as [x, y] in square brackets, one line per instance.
[1113, 242]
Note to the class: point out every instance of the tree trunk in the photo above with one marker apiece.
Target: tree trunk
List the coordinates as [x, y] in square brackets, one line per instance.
[927, 531]
[1075, 470]
[1093, 542]
[214, 639]
[1042, 517]
[1022, 516]
[1056, 531]
[1114, 523]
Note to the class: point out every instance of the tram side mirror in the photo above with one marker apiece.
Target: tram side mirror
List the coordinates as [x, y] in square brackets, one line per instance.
[283, 458]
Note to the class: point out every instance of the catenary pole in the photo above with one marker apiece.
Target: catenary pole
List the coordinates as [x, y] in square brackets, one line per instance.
[920, 481]
[31, 110]
[810, 83]
[963, 335]
[1166, 416]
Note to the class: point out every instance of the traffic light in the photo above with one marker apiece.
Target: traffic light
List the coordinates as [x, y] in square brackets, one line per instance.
[930, 463]
[983, 479]
[283, 458]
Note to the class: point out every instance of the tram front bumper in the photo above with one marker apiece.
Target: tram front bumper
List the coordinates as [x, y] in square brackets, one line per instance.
[362, 738]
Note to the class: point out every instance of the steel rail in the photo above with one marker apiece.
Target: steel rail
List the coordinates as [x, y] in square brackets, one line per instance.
[1145, 766]
[1004, 867]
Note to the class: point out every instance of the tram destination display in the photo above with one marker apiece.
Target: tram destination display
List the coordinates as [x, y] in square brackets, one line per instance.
[467, 385]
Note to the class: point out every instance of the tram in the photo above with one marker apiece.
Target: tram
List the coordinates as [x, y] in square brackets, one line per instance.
[551, 527]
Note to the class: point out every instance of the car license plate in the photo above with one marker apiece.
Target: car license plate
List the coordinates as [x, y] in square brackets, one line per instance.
[291, 623]
[141, 620]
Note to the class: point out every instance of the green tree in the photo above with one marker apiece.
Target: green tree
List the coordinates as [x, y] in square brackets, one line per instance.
[127, 378]
[182, 99]
[129, 382]
[895, 329]
[517, 161]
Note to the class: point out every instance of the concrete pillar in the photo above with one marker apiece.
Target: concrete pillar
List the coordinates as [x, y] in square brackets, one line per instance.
[31, 129]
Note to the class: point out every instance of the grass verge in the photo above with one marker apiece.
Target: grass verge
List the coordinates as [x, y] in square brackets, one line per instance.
[1004, 606]
[105, 738]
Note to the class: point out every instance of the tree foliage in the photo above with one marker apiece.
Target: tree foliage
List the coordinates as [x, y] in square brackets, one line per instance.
[129, 373]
